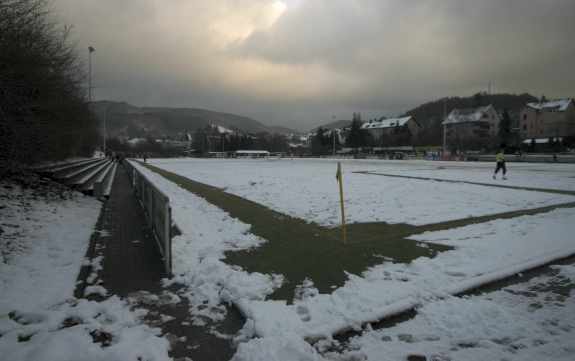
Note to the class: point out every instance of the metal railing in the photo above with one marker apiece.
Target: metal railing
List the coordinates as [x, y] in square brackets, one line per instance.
[157, 208]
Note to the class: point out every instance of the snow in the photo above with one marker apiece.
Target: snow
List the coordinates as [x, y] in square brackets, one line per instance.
[386, 123]
[540, 140]
[521, 322]
[298, 188]
[44, 238]
[466, 115]
[560, 104]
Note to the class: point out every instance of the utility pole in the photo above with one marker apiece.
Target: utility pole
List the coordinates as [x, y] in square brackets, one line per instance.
[444, 125]
[334, 135]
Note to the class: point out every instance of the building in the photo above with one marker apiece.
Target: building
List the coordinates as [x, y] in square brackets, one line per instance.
[387, 126]
[220, 155]
[547, 119]
[135, 141]
[470, 125]
[300, 141]
[244, 154]
[540, 145]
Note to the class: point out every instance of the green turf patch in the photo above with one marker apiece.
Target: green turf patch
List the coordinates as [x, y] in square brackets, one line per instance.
[557, 191]
[300, 250]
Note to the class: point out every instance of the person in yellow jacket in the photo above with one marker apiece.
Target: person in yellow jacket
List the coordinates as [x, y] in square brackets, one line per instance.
[500, 163]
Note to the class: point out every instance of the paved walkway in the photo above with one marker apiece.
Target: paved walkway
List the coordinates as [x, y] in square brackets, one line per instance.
[133, 267]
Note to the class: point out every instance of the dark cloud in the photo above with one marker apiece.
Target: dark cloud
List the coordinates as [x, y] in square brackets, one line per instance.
[298, 66]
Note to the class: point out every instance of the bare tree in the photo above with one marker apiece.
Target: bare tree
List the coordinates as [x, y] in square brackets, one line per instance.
[43, 110]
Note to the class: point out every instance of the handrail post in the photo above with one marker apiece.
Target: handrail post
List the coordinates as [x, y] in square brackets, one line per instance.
[151, 200]
[167, 239]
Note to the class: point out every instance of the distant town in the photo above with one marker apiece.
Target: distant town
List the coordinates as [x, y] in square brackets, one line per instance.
[448, 127]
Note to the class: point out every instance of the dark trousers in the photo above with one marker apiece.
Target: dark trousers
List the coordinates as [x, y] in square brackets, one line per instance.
[500, 165]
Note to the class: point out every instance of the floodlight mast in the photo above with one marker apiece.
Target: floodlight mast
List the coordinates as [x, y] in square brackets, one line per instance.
[104, 125]
[90, 49]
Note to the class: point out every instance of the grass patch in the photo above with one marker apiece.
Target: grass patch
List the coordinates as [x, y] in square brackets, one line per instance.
[556, 191]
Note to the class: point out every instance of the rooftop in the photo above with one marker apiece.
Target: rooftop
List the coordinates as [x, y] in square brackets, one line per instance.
[560, 104]
[386, 123]
[467, 115]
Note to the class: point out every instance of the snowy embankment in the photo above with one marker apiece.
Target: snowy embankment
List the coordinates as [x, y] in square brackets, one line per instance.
[484, 252]
[44, 237]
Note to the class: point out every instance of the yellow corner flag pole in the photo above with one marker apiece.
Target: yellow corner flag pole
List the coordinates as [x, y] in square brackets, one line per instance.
[340, 180]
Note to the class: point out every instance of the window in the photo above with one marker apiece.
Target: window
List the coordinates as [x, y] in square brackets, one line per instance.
[540, 121]
[493, 117]
[524, 127]
[540, 131]
[531, 125]
[524, 116]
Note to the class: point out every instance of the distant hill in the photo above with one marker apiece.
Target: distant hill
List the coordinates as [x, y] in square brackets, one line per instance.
[427, 112]
[283, 130]
[127, 121]
[337, 124]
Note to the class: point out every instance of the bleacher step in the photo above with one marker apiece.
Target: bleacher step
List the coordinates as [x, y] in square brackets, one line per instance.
[82, 174]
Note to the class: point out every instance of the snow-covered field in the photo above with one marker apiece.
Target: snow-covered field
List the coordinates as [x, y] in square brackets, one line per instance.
[500, 325]
[307, 189]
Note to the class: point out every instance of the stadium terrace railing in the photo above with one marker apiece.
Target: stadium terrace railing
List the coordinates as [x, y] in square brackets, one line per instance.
[157, 208]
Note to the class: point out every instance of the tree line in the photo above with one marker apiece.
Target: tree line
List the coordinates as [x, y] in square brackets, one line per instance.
[210, 139]
[44, 115]
[401, 135]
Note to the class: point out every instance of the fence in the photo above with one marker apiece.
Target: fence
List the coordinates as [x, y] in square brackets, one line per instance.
[157, 208]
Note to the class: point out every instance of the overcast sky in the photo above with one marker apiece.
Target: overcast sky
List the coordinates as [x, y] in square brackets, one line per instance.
[298, 63]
